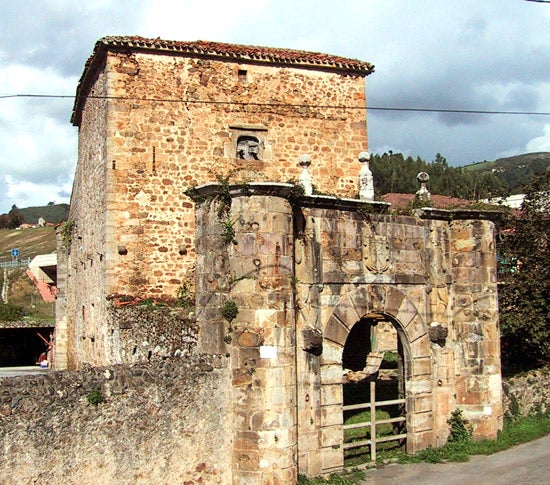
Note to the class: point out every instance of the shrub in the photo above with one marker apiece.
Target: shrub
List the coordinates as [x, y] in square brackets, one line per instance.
[460, 431]
[95, 397]
[229, 310]
[10, 313]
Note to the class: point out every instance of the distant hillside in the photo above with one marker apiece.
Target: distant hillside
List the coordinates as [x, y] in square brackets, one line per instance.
[30, 242]
[51, 214]
[515, 172]
[393, 173]
[54, 213]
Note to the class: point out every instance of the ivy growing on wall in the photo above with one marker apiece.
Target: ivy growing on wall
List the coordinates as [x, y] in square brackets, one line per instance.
[229, 312]
[66, 230]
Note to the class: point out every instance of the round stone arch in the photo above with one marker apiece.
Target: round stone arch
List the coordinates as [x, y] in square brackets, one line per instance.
[379, 299]
[413, 333]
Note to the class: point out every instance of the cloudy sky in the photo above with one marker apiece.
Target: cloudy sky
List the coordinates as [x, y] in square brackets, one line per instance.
[482, 55]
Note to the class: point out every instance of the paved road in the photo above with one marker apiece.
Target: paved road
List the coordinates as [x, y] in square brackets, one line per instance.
[526, 464]
[22, 371]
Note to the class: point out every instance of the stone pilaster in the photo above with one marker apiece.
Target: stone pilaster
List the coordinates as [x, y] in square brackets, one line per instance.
[475, 319]
[263, 340]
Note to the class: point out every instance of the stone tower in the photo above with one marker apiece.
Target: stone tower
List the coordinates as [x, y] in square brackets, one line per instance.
[156, 118]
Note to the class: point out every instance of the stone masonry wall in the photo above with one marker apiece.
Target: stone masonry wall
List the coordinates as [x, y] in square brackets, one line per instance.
[145, 332]
[527, 393]
[167, 422]
[282, 279]
[82, 258]
[160, 148]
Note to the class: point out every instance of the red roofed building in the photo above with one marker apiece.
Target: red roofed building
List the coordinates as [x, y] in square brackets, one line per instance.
[402, 201]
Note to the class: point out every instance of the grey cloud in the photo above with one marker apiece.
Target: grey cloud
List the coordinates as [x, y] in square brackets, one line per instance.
[63, 194]
[460, 144]
[60, 34]
[454, 87]
[522, 98]
[58, 109]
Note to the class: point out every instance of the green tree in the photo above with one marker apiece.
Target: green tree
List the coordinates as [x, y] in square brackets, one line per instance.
[15, 219]
[524, 295]
[394, 173]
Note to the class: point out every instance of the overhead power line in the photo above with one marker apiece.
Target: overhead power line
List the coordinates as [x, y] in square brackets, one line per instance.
[467, 111]
[287, 105]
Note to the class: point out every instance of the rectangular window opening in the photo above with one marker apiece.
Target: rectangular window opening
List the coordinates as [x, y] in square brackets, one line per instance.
[242, 75]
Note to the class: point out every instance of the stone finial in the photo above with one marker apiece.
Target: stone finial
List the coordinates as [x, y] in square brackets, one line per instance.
[366, 184]
[305, 179]
[423, 193]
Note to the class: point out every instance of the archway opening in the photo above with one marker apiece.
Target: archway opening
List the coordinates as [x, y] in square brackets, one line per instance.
[373, 372]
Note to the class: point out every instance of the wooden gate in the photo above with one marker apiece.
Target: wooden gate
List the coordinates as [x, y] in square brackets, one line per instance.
[373, 423]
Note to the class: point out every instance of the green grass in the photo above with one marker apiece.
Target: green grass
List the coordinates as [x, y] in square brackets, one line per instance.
[355, 393]
[390, 360]
[359, 393]
[360, 455]
[479, 166]
[516, 430]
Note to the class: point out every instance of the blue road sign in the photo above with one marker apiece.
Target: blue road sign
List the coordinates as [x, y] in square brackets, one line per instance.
[14, 253]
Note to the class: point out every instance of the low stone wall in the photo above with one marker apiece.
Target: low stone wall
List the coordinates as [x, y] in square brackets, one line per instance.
[160, 423]
[527, 393]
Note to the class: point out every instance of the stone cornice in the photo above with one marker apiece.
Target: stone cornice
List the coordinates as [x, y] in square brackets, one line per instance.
[290, 192]
[457, 214]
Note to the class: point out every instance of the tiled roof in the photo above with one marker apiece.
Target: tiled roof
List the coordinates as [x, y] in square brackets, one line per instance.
[200, 48]
[238, 52]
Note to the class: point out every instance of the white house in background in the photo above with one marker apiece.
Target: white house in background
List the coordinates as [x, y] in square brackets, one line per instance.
[513, 201]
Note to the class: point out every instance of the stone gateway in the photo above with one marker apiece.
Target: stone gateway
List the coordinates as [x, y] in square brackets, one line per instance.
[302, 275]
